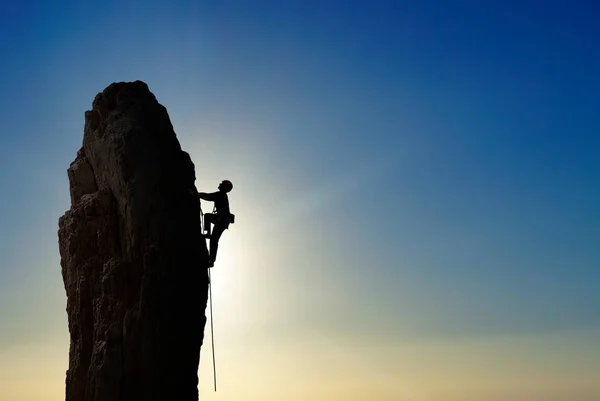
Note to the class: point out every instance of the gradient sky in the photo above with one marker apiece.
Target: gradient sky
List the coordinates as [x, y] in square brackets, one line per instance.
[416, 189]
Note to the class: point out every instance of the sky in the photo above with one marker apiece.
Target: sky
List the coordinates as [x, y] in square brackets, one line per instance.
[415, 189]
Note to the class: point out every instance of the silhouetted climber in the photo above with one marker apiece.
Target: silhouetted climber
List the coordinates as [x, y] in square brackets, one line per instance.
[221, 217]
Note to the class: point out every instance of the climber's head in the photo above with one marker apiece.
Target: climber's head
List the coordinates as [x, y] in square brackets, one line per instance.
[225, 186]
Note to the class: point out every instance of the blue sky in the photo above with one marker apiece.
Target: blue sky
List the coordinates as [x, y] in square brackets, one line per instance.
[406, 174]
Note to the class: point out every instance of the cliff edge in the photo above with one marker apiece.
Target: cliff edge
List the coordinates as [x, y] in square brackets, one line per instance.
[133, 262]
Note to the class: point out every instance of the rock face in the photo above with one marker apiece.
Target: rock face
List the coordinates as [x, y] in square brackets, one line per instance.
[133, 261]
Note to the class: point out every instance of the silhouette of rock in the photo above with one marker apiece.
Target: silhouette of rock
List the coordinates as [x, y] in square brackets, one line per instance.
[133, 261]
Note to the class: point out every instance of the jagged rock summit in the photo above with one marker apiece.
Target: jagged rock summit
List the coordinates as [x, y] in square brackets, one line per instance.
[133, 261]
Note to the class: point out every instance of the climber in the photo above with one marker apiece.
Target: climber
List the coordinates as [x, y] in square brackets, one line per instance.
[221, 216]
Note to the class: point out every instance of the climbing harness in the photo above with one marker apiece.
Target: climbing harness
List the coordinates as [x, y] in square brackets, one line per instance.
[212, 332]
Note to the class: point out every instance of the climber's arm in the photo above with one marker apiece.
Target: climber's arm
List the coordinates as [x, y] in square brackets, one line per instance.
[207, 197]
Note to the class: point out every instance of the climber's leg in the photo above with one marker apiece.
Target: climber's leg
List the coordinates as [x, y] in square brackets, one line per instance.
[214, 241]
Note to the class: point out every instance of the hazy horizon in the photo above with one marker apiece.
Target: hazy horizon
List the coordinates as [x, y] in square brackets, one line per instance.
[415, 189]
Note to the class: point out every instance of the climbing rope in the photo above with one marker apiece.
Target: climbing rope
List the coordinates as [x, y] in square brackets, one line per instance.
[212, 332]
[201, 216]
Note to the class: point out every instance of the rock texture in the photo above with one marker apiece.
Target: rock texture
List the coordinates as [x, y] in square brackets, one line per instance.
[133, 261]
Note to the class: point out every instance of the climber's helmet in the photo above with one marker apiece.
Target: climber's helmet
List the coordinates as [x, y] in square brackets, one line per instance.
[225, 186]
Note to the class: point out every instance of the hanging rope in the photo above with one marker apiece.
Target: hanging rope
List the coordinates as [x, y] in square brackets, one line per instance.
[201, 216]
[212, 332]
